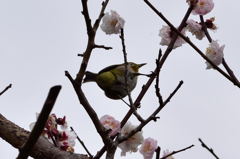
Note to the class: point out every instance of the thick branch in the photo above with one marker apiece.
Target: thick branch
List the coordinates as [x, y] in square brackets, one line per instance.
[39, 126]
[43, 149]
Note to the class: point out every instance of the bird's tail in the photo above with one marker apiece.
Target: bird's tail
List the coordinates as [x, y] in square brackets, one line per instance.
[90, 77]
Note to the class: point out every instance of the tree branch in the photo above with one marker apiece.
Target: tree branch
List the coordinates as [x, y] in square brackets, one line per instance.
[174, 152]
[209, 149]
[39, 126]
[8, 87]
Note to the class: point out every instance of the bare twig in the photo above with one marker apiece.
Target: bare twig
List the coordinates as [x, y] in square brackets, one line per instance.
[102, 47]
[91, 38]
[101, 14]
[174, 152]
[209, 149]
[5, 89]
[82, 143]
[132, 106]
[39, 126]
[157, 88]
[204, 28]
[87, 17]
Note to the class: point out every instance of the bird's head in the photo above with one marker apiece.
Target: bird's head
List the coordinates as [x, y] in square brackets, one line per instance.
[135, 67]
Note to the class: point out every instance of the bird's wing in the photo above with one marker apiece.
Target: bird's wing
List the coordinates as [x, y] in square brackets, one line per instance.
[109, 68]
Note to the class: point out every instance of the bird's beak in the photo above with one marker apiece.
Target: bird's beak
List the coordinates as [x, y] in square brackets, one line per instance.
[140, 65]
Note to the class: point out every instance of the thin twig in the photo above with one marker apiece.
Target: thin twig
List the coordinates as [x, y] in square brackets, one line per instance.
[39, 126]
[209, 149]
[8, 87]
[174, 152]
[101, 14]
[157, 88]
[102, 47]
[126, 73]
[87, 17]
[82, 143]
[204, 28]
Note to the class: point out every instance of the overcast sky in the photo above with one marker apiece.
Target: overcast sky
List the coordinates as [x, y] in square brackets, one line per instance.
[39, 40]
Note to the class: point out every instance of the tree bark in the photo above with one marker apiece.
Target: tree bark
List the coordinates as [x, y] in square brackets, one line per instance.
[43, 149]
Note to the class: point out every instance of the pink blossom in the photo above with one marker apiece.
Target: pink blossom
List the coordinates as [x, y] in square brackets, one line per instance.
[148, 148]
[131, 144]
[215, 53]
[110, 123]
[195, 28]
[203, 7]
[112, 23]
[166, 35]
[64, 138]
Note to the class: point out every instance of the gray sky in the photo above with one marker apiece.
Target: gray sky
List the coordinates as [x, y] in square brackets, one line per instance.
[39, 40]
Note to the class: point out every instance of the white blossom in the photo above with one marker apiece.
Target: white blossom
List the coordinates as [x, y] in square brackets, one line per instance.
[195, 28]
[166, 35]
[130, 145]
[110, 123]
[112, 23]
[215, 53]
[148, 148]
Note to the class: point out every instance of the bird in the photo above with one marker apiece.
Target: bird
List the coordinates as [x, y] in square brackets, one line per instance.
[112, 79]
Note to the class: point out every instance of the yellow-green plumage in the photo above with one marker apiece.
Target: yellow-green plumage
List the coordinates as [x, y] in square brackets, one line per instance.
[112, 79]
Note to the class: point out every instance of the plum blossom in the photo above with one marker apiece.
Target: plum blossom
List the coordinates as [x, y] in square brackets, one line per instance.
[203, 7]
[215, 53]
[210, 23]
[148, 148]
[167, 152]
[166, 35]
[132, 143]
[112, 23]
[195, 28]
[110, 123]
[64, 138]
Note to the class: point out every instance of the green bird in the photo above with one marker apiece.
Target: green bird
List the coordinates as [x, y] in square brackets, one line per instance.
[112, 79]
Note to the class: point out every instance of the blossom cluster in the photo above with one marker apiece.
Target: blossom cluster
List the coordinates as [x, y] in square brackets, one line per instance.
[148, 145]
[201, 7]
[64, 138]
